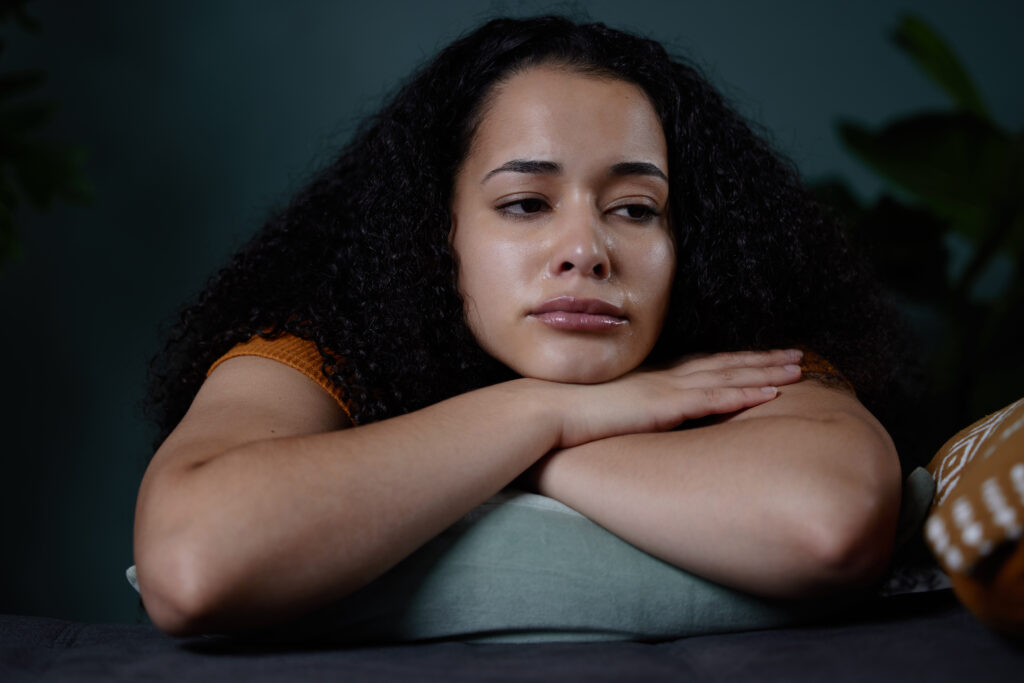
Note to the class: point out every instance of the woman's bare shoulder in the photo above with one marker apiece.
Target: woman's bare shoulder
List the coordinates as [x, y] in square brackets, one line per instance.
[249, 398]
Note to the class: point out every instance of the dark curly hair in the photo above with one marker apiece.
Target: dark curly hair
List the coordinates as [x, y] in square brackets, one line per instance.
[360, 262]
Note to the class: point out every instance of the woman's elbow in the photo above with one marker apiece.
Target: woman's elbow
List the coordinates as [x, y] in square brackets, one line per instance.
[853, 534]
[857, 554]
[177, 593]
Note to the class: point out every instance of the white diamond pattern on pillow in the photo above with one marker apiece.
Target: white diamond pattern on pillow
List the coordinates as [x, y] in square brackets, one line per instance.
[979, 505]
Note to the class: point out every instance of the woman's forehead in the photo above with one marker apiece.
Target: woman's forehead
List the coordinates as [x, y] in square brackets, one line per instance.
[553, 113]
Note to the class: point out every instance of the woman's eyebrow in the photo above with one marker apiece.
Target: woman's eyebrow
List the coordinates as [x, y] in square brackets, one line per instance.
[638, 168]
[536, 167]
[525, 166]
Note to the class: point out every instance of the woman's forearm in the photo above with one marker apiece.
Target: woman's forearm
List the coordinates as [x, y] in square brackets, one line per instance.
[257, 506]
[781, 505]
[275, 526]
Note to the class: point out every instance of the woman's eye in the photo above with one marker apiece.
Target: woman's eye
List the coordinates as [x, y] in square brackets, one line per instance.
[523, 207]
[640, 213]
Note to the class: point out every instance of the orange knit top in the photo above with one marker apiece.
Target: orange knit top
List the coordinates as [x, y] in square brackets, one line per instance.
[302, 355]
[295, 352]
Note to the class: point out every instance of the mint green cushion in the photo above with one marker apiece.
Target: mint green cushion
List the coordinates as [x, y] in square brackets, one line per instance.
[525, 568]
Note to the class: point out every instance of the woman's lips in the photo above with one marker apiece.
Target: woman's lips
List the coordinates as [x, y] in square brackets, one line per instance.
[583, 315]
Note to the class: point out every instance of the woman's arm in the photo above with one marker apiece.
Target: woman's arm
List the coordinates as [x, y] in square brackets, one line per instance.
[791, 498]
[260, 505]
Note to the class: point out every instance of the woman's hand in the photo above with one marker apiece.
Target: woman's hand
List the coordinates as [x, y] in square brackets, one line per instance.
[260, 472]
[794, 497]
[655, 400]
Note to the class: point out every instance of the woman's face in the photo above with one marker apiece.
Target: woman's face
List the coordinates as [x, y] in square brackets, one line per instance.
[560, 225]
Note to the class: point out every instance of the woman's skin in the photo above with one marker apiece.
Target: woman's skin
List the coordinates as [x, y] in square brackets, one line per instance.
[562, 204]
[261, 504]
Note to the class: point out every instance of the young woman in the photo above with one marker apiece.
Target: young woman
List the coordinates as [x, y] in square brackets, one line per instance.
[555, 258]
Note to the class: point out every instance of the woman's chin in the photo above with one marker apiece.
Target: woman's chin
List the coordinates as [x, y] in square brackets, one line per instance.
[575, 372]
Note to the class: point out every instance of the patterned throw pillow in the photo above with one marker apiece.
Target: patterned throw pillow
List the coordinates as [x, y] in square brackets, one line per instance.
[977, 519]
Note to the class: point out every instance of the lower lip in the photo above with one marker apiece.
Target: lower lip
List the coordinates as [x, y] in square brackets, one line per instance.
[579, 322]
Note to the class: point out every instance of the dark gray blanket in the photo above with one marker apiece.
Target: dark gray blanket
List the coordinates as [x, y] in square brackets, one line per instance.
[923, 637]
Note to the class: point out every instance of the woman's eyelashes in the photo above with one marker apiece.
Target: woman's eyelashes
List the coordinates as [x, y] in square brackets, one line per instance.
[523, 207]
[528, 207]
[637, 213]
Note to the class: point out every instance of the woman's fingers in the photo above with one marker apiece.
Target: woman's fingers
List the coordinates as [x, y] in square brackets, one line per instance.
[722, 400]
[656, 400]
[771, 375]
[738, 359]
[721, 383]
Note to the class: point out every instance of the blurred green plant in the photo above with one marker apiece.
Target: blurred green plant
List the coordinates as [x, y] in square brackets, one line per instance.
[955, 188]
[32, 168]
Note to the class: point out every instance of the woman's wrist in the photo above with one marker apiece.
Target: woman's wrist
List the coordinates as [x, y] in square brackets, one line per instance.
[545, 404]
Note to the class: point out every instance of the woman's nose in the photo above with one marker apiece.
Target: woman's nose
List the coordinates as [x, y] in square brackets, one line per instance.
[580, 249]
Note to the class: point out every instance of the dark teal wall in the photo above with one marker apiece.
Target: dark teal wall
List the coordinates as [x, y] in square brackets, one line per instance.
[200, 116]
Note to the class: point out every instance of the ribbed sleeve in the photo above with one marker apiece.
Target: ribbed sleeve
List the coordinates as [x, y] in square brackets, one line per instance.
[295, 352]
[302, 355]
[814, 366]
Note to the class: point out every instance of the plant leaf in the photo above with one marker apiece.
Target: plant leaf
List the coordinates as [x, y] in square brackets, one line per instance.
[25, 116]
[957, 164]
[897, 235]
[938, 61]
[18, 83]
[51, 171]
[836, 194]
[16, 9]
[9, 246]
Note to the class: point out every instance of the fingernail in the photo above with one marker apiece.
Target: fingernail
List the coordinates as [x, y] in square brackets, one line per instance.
[795, 354]
[771, 391]
[791, 368]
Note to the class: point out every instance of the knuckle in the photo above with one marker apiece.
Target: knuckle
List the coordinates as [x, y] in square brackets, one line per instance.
[714, 394]
[732, 357]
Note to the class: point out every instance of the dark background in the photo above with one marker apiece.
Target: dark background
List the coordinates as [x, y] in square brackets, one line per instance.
[197, 117]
